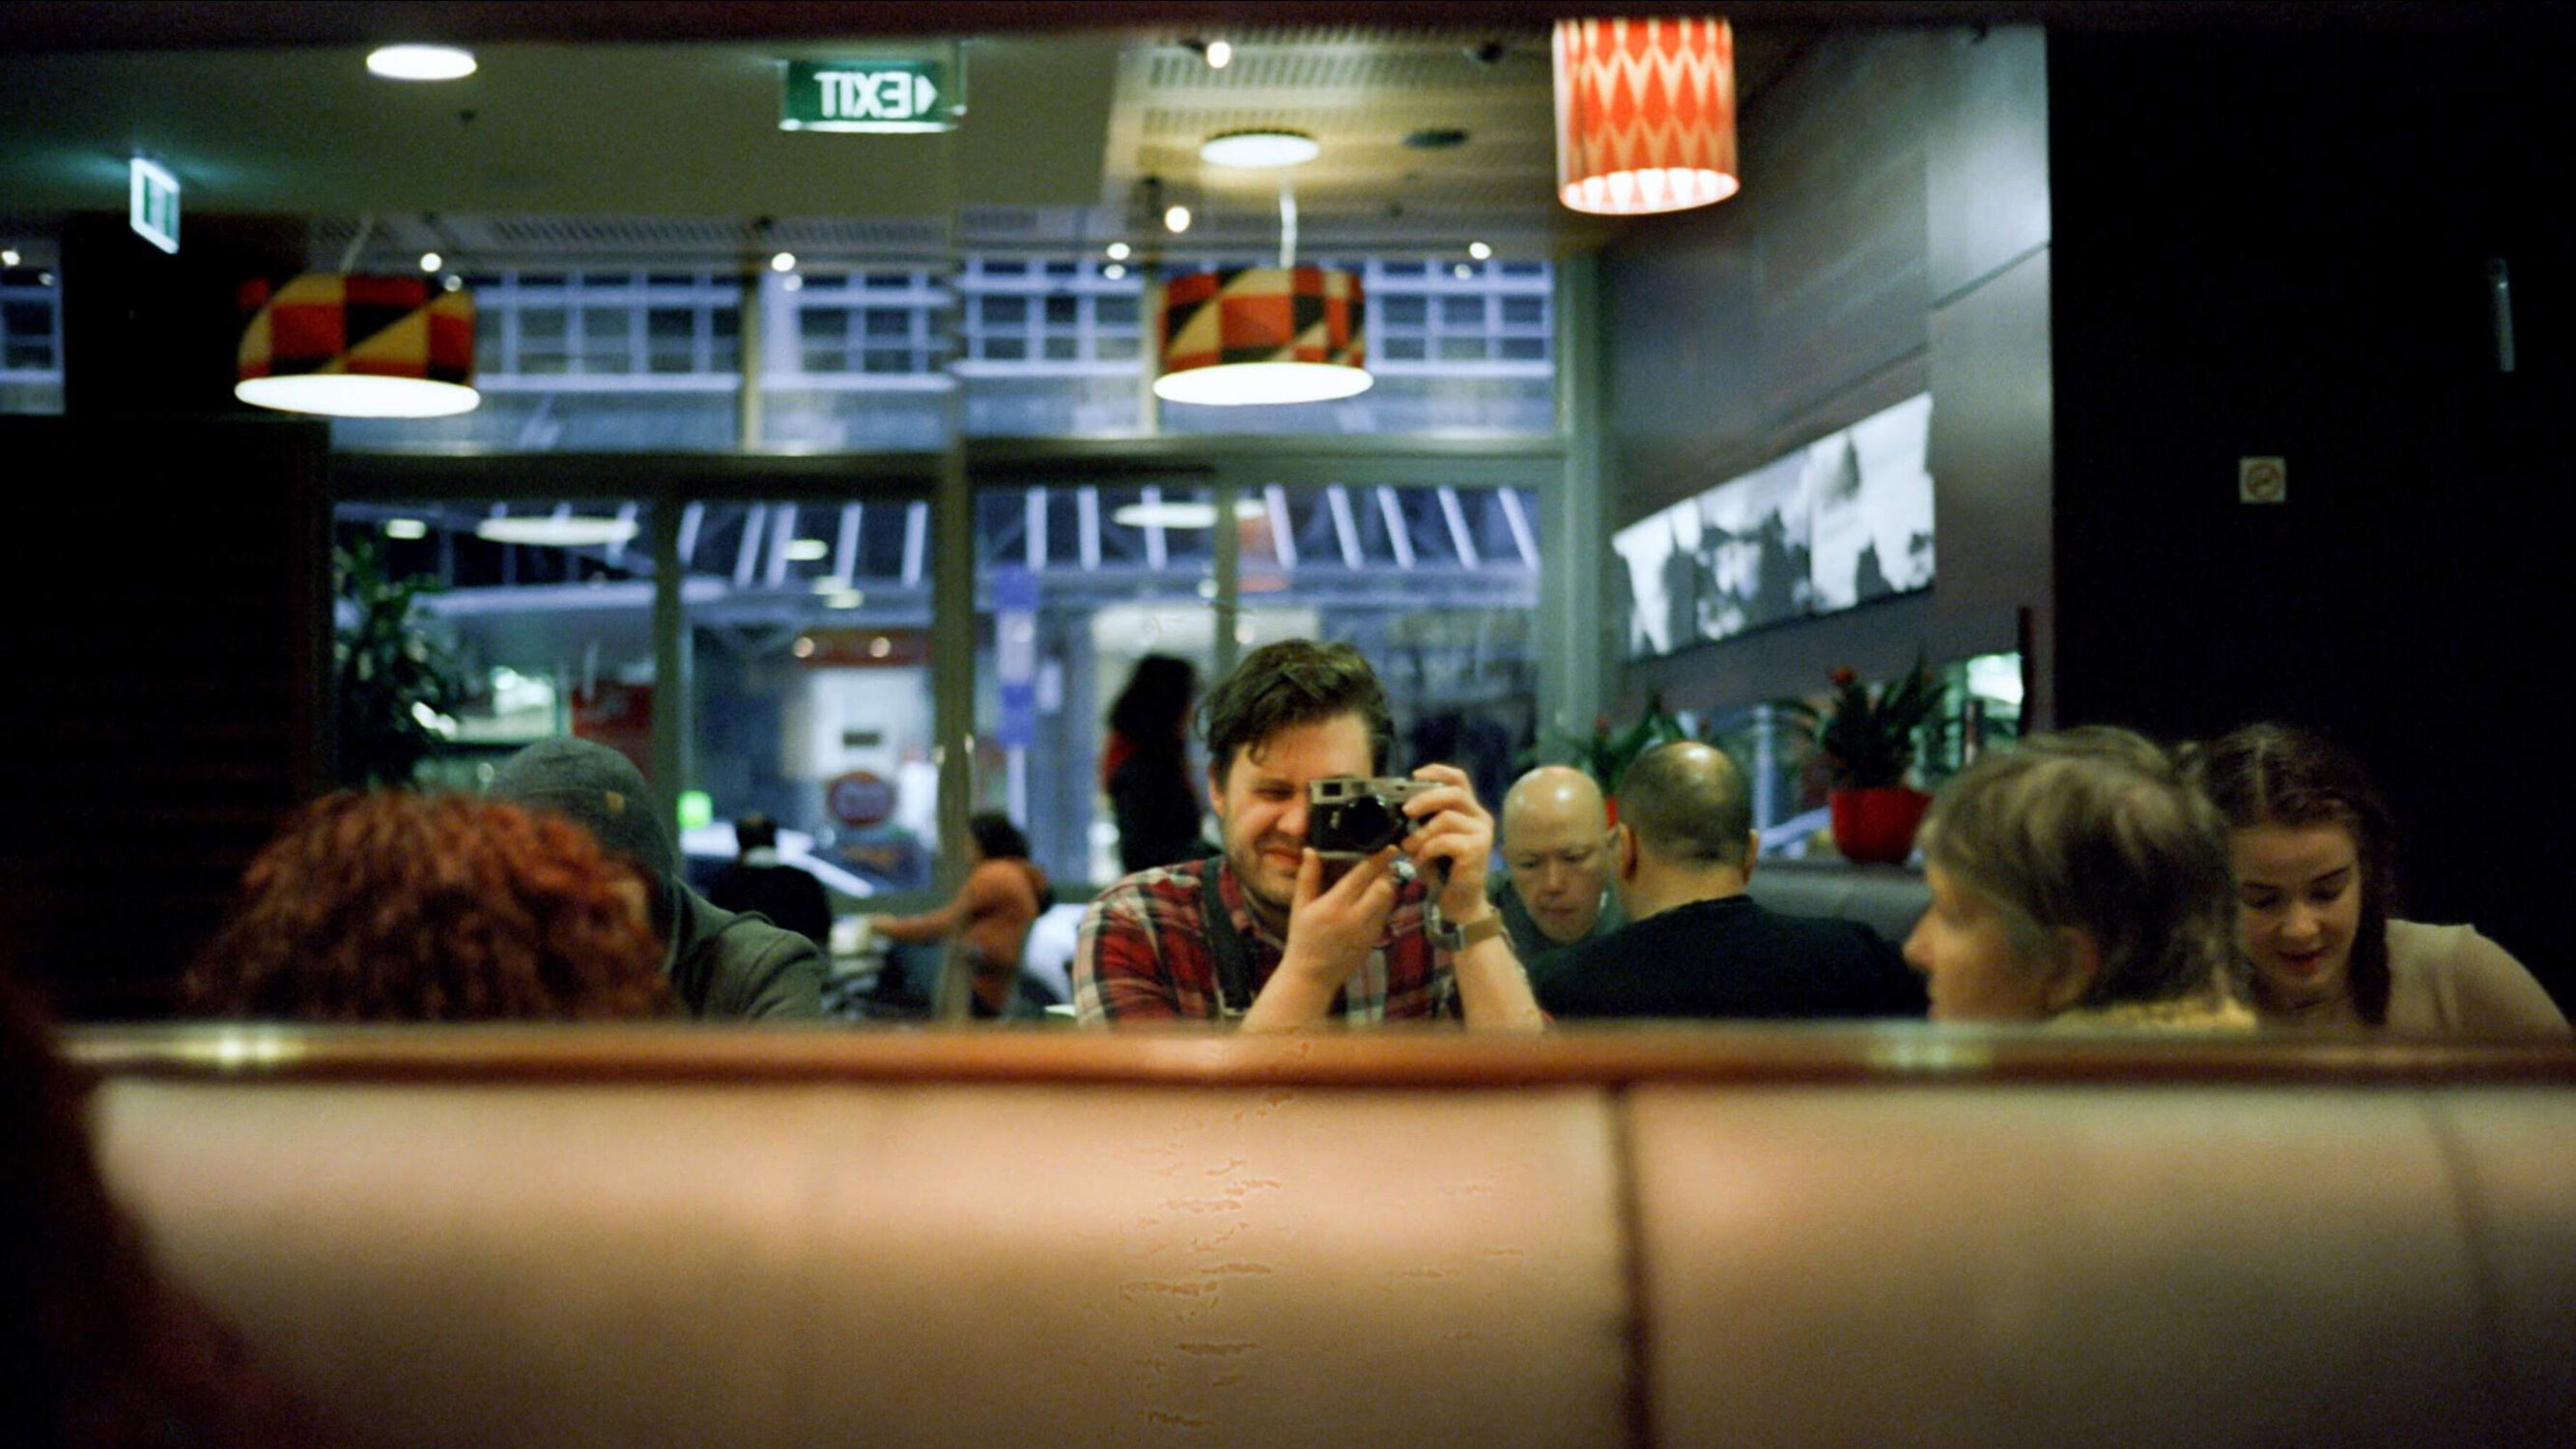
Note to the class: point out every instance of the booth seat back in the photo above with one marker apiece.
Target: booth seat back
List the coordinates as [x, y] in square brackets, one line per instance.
[1732, 1237]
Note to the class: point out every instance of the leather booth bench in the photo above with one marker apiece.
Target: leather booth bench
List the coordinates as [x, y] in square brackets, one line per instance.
[1899, 1235]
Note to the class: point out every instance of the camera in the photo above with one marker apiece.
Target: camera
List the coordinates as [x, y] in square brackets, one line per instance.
[1348, 816]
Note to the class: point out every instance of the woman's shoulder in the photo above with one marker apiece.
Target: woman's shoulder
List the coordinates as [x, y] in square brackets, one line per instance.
[2479, 984]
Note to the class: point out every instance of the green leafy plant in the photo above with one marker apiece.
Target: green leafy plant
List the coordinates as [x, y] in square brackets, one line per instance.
[389, 680]
[1606, 754]
[1866, 733]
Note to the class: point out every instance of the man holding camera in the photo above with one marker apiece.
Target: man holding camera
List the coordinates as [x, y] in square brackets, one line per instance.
[1359, 901]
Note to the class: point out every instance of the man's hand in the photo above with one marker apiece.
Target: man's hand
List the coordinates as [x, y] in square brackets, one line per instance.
[1454, 829]
[1331, 930]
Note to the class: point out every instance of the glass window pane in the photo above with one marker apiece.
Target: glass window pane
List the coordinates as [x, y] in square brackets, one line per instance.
[1462, 349]
[889, 322]
[1063, 311]
[1403, 349]
[1063, 349]
[1003, 349]
[1524, 349]
[1002, 311]
[1462, 311]
[1118, 349]
[1115, 311]
[670, 324]
[1524, 311]
[1402, 309]
[607, 324]
[824, 323]
[542, 324]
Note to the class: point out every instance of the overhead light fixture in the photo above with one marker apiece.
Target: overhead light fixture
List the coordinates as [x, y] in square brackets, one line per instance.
[1645, 114]
[1114, 272]
[1462, 271]
[1182, 513]
[421, 62]
[406, 528]
[1116, 251]
[9, 256]
[806, 550]
[1479, 250]
[804, 648]
[559, 530]
[357, 346]
[431, 261]
[1176, 219]
[1220, 54]
[783, 262]
[1258, 149]
[846, 599]
[792, 283]
[1262, 335]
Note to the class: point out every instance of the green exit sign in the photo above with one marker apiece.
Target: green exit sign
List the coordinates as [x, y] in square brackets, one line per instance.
[872, 95]
[153, 204]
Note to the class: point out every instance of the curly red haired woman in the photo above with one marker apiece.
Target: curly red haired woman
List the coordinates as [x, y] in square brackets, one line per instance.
[391, 906]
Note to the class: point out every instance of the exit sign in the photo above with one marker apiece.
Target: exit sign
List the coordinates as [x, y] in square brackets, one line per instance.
[153, 205]
[872, 95]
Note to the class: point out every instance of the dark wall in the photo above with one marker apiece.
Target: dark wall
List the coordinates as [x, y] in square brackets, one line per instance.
[164, 653]
[2277, 245]
[1892, 238]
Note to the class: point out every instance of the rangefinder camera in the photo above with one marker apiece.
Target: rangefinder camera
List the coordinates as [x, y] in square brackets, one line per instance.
[1348, 817]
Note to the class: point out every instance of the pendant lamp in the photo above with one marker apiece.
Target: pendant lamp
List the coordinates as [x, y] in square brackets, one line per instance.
[1645, 114]
[357, 346]
[1251, 335]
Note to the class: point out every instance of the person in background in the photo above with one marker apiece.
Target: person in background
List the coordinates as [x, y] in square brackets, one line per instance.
[1556, 858]
[393, 906]
[1262, 936]
[1696, 945]
[1145, 769]
[758, 882]
[2078, 878]
[2316, 879]
[1003, 896]
[721, 965]
[98, 1350]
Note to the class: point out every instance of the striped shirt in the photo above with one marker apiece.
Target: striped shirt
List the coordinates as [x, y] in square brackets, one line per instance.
[1143, 955]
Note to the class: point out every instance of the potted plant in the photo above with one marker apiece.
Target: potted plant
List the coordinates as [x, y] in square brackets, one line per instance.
[1866, 736]
[390, 681]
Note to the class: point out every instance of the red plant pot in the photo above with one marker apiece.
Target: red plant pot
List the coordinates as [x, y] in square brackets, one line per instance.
[1877, 824]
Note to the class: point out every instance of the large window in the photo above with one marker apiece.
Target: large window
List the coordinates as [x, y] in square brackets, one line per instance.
[31, 341]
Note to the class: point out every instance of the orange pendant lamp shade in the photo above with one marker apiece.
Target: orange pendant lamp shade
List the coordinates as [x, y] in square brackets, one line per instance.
[1645, 114]
[347, 345]
[1262, 335]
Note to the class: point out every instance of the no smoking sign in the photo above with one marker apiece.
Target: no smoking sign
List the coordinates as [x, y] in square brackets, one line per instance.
[2262, 480]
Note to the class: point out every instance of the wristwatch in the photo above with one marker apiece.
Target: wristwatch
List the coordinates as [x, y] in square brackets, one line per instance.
[1450, 937]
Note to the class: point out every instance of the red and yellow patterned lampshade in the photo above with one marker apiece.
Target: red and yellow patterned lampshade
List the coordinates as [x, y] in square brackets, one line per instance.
[1645, 114]
[1262, 335]
[357, 347]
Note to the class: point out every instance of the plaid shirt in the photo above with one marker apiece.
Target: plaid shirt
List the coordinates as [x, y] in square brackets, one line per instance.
[1144, 955]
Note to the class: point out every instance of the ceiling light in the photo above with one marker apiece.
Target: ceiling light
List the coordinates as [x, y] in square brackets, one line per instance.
[431, 261]
[421, 62]
[1462, 271]
[557, 531]
[451, 283]
[806, 550]
[1113, 271]
[1117, 253]
[1262, 335]
[826, 585]
[880, 646]
[792, 283]
[357, 347]
[9, 256]
[1645, 114]
[1259, 149]
[846, 599]
[1182, 513]
[1176, 219]
[1220, 54]
[804, 647]
[406, 528]
[1479, 250]
[783, 262]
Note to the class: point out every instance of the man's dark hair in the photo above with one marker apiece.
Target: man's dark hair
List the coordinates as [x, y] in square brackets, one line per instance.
[1293, 682]
[1687, 802]
[755, 831]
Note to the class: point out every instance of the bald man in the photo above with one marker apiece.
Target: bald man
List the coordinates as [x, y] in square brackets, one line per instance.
[1556, 846]
[1696, 945]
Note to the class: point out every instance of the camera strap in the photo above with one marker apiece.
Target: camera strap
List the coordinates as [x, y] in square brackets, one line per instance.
[1225, 944]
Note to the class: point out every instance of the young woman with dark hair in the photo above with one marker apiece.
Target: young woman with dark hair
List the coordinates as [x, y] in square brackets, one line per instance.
[1004, 894]
[1144, 768]
[2315, 858]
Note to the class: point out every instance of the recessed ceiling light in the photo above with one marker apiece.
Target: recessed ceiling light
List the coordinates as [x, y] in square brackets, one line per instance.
[1176, 219]
[1479, 250]
[806, 550]
[421, 62]
[569, 531]
[783, 262]
[451, 283]
[1117, 253]
[1462, 271]
[792, 282]
[431, 261]
[406, 528]
[804, 647]
[1183, 513]
[1113, 271]
[880, 646]
[1259, 149]
[9, 256]
[846, 599]
[1220, 54]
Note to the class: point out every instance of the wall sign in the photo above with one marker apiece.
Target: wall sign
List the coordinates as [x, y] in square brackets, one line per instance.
[153, 204]
[882, 94]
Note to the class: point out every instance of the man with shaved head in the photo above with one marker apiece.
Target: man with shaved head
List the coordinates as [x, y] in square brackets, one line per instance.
[1556, 847]
[1696, 945]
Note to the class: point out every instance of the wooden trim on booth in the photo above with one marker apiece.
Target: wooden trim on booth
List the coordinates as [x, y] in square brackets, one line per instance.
[1393, 1059]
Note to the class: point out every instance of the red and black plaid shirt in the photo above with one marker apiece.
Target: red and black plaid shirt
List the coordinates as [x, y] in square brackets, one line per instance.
[1144, 955]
